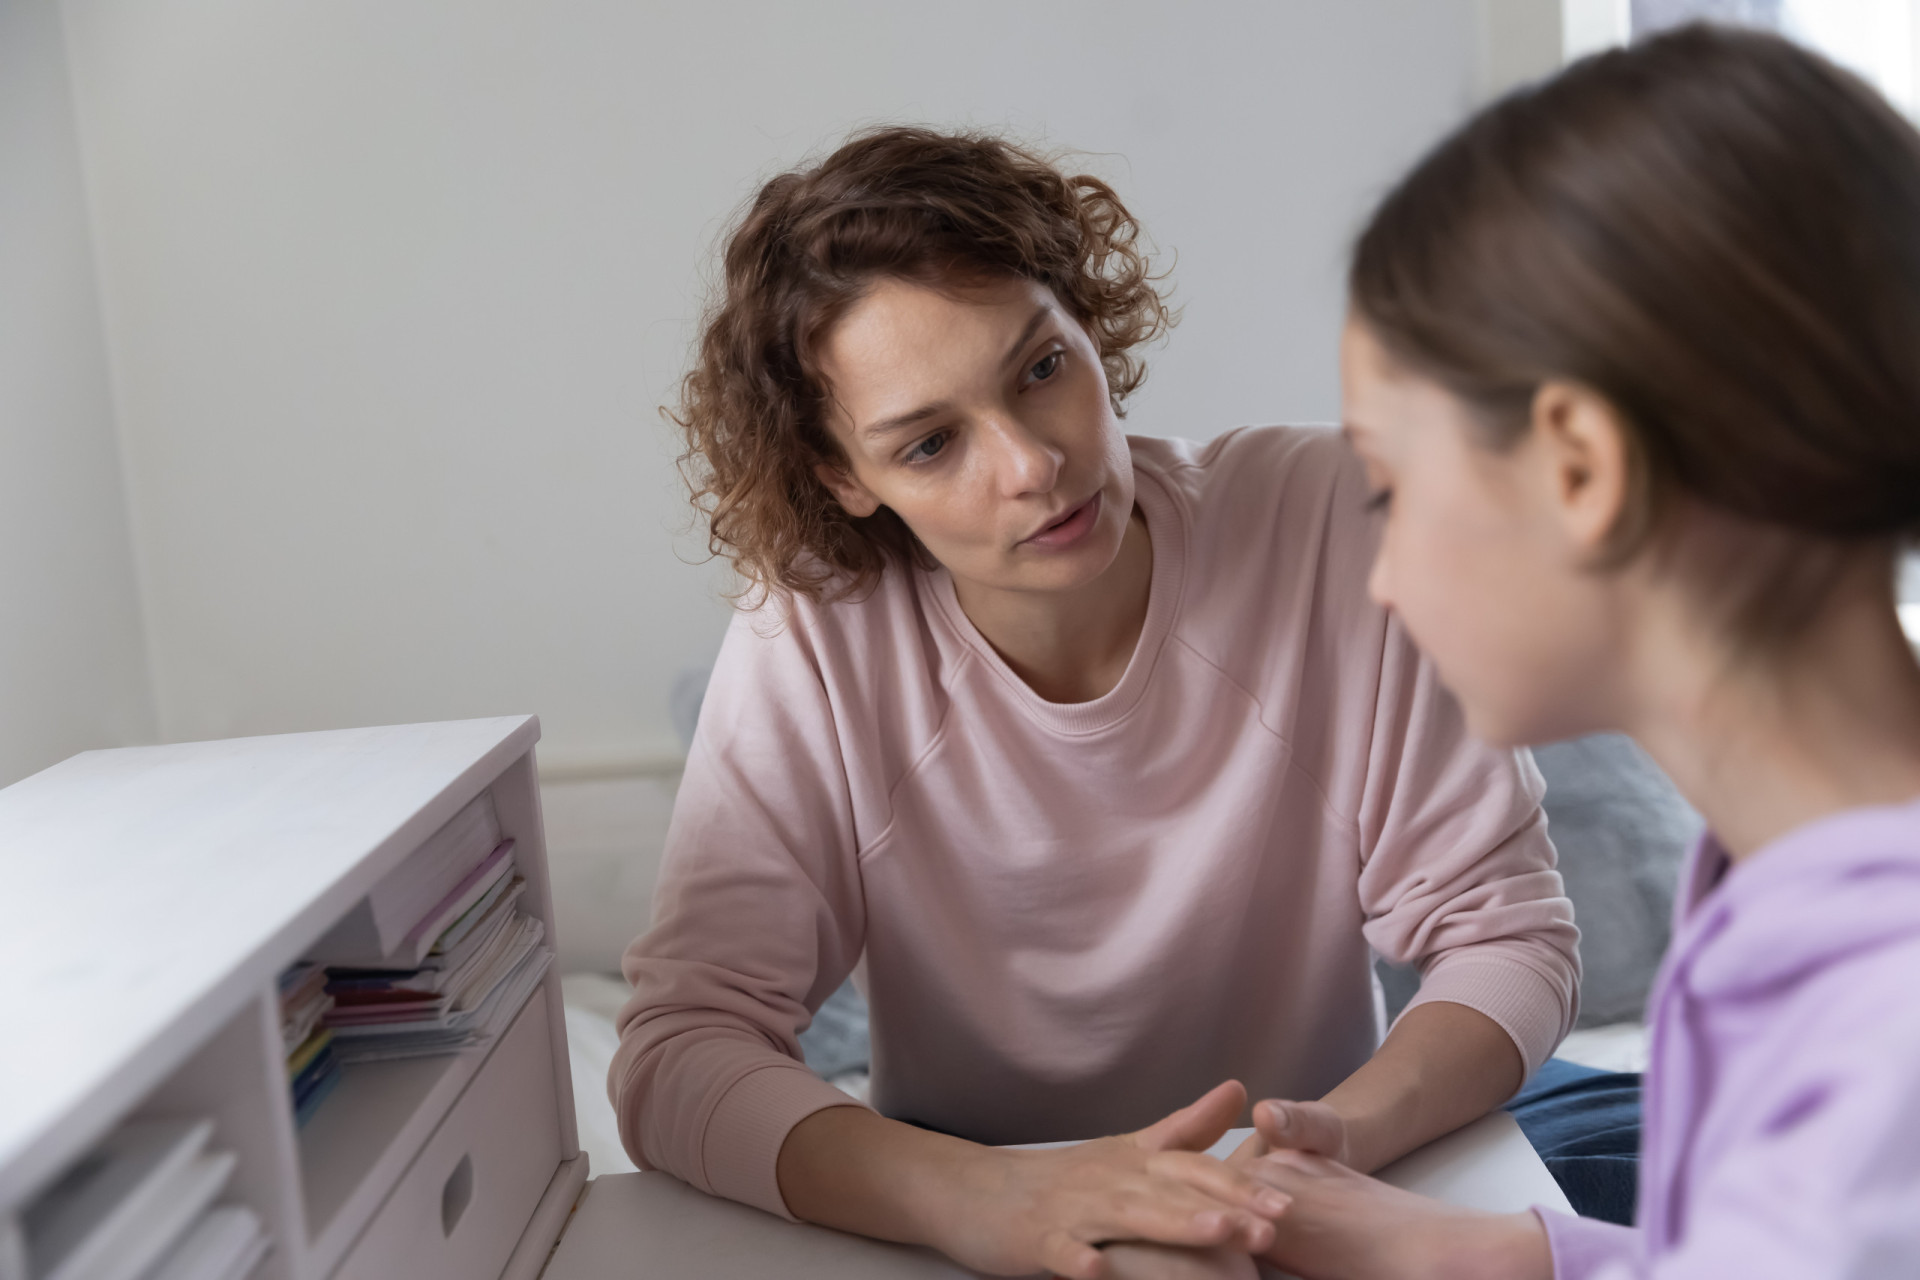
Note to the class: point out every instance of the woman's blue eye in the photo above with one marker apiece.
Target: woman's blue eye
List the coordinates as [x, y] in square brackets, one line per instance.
[1046, 368]
[927, 448]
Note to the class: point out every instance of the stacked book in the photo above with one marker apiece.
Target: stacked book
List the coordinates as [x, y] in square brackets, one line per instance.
[140, 1206]
[439, 958]
[313, 1067]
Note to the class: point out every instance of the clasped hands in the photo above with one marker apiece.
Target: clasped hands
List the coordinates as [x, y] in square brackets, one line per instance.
[1336, 1222]
[1150, 1203]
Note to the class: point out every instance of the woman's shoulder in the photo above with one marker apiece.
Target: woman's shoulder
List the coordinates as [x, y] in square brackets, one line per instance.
[1251, 460]
[871, 653]
[1284, 504]
[839, 619]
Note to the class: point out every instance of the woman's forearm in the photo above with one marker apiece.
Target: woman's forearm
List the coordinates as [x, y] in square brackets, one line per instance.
[1443, 1066]
[855, 1170]
[1014, 1212]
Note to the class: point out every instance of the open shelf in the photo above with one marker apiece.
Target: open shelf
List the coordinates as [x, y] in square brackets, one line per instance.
[363, 1136]
[237, 1079]
[337, 812]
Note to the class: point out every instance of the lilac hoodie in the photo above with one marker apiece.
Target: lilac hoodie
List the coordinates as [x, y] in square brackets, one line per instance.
[1781, 1134]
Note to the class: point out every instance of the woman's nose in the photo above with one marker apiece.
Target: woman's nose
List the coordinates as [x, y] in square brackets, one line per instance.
[1027, 462]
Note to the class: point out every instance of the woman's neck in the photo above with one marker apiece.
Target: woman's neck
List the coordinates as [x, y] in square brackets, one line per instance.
[1070, 646]
[1831, 722]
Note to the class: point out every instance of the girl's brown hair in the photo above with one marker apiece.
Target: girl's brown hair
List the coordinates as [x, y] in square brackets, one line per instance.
[906, 203]
[1717, 231]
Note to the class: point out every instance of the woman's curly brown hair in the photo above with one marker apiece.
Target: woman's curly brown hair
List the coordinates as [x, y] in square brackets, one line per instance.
[904, 203]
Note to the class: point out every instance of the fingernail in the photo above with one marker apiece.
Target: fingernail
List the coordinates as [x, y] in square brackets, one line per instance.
[1271, 1201]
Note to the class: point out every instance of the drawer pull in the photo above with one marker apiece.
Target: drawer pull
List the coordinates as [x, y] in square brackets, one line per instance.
[456, 1195]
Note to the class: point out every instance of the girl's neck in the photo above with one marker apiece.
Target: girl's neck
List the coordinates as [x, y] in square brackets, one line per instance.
[1762, 746]
[1070, 646]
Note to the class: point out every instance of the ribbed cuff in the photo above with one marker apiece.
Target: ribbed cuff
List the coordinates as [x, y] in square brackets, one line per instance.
[740, 1150]
[1530, 1007]
[1583, 1247]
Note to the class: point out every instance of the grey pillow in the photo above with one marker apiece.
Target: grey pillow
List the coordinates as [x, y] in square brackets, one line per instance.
[1621, 830]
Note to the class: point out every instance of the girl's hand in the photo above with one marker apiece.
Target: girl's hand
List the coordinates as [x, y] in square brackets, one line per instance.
[1345, 1224]
[1312, 1127]
[1018, 1211]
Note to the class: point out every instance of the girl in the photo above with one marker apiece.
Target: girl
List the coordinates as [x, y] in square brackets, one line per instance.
[1087, 751]
[1634, 367]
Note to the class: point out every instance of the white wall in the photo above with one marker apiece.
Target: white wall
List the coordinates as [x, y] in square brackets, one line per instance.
[393, 289]
[72, 662]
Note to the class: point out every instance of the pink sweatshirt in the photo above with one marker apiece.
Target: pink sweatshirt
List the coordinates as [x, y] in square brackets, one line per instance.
[1071, 919]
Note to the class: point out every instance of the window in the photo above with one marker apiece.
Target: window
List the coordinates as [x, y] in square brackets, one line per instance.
[1880, 39]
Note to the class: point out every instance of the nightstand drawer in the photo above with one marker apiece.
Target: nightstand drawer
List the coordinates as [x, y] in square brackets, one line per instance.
[459, 1209]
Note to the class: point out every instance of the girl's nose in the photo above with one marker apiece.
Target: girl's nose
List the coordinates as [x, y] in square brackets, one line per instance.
[1377, 581]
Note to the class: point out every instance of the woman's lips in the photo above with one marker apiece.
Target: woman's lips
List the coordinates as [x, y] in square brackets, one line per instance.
[1069, 530]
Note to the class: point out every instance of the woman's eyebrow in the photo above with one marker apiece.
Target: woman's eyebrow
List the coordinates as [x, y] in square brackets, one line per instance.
[899, 422]
[1026, 335]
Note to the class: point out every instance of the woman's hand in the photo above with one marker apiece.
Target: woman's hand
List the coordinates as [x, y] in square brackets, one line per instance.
[1021, 1211]
[1159, 1262]
[1348, 1225]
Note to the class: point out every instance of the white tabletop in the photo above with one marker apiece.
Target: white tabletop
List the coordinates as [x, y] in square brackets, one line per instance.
[653, 1225]
[151, 891]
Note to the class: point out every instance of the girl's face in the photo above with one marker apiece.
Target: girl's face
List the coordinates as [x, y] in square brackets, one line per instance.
[980, 417]
[1484, 555]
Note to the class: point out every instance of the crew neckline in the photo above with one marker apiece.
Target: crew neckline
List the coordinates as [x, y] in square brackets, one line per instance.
[1167, 532]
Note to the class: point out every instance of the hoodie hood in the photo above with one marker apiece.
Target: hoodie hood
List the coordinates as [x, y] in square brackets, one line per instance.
[1837, 888]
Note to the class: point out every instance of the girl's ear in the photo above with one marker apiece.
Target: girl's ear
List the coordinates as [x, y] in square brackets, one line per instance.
[1583, 449]
[854, 498]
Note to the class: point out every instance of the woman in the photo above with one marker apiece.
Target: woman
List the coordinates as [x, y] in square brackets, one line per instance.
[1632, 364]
[1088, 751]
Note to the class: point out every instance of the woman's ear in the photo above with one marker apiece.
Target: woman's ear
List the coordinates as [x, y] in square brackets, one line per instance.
[854, 498]
[1583, 450]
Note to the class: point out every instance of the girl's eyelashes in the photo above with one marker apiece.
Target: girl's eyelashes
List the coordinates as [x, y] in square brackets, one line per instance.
[927, 449]
[1380, 500]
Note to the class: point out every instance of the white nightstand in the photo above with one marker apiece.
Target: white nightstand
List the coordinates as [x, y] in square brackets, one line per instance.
[154, 895]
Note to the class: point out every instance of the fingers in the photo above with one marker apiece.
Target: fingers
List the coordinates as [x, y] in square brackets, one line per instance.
[1198, 1125]
[1062, 1255]
[1301, 1126]
[1253, 1148]
[1184, 1219]
[1286, 1171]
[1158, 1262]
[1228, 1184]
[1183, 1212]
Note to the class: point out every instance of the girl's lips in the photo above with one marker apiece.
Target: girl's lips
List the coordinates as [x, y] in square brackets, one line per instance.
[1077, 525]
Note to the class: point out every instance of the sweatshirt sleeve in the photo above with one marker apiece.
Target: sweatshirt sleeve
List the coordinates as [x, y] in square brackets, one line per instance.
[1457, 873]
[1812, 1168]
[758, 917]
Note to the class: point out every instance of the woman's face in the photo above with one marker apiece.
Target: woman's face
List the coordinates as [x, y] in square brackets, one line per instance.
[1484, 555]
[980, 417]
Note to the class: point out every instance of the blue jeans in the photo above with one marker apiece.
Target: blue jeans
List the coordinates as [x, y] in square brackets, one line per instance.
[1586, 1126]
